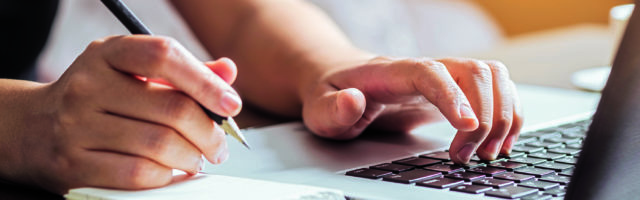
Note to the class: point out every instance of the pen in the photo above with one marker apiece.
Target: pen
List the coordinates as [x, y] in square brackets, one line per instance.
[135, 26]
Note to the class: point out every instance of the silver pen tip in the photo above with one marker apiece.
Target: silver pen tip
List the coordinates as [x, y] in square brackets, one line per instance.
[231, 128]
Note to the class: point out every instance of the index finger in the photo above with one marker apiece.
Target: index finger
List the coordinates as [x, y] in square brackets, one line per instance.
[164, 58]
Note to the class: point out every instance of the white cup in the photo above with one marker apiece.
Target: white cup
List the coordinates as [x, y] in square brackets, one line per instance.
[594, 79]
[618, 19]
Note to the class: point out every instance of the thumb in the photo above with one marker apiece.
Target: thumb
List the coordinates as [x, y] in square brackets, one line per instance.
[335, 114]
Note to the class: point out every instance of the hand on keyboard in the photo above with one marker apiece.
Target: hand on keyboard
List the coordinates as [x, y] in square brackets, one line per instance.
[476, 97]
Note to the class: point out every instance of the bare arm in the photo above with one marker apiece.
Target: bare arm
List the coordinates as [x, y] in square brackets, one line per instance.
[292, 60]
[281, 46]
[18, 105]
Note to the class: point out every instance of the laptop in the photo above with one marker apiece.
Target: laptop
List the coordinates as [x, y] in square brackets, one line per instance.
[585, 156]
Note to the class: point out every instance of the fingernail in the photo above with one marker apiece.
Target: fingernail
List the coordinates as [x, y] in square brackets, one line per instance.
[493, 147]
[508, 144]
[466, 112]
[464, 154]
[223, 156]
[201, 165]
[231, 103]
[228, 61]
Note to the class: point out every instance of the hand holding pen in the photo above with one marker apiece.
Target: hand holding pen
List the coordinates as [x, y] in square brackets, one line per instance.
[105, 127]
[135, 26]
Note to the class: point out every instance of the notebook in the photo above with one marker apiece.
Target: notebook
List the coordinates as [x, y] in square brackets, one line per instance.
[206, 186]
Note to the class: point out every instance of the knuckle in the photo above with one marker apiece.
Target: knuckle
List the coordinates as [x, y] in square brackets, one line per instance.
[498, 68]
[218, 138]
[160, 50]
[78, 85]
[430, 65]
[503, 123]
[208, 86]
[216, 142]
[483, 128]
[381, 59]
[449, 94]
[96, 44]
[140, 174]
[478, 67]
[426, 68]
[159, 140]
[179, 106]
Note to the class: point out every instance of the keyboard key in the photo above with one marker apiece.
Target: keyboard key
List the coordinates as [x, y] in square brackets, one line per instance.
[496, 183]
[509, 166]
[541, 185]
[567, 160]
[525, 139]
[568, 172]
[440, 183]
[368, 173]
[475, 158]
[563, 140]
[411, 176]
[547, 155]
[566, 151]
[511, 192]
[545, 145]
[488, 171]
[573, 136]
[445, 169]
[575, 146]
[534, 171]
[415, 161]
[499, 159]
[543, 136]
[467, 176]
[395, 168]
[439, 155]
[526, 149]
[537, 197]
[528, 161]
[556, 179]
[471, 164]
[473, 189]
[513, 154]
[558, 192]
[569, 125]
[575, 130]
[514, 177]
[558, 167]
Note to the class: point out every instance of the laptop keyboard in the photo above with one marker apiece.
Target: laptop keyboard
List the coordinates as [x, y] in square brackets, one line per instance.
[539, 167]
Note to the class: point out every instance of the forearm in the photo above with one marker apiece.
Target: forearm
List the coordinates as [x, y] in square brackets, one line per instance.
[280, 46]
[17, 103]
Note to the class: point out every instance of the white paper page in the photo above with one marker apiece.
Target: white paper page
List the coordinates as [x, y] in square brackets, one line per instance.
[204, 186]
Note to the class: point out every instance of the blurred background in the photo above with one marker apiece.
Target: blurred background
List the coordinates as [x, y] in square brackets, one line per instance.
[525, 16]
[543, 42]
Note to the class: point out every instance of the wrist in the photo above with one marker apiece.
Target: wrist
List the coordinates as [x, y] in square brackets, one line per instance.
[20, 102]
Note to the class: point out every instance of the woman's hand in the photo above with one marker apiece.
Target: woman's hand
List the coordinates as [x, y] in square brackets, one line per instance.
[125, 114]
[476, 97]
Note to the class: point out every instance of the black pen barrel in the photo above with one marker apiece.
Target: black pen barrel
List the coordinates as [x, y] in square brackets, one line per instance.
[126, 17]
